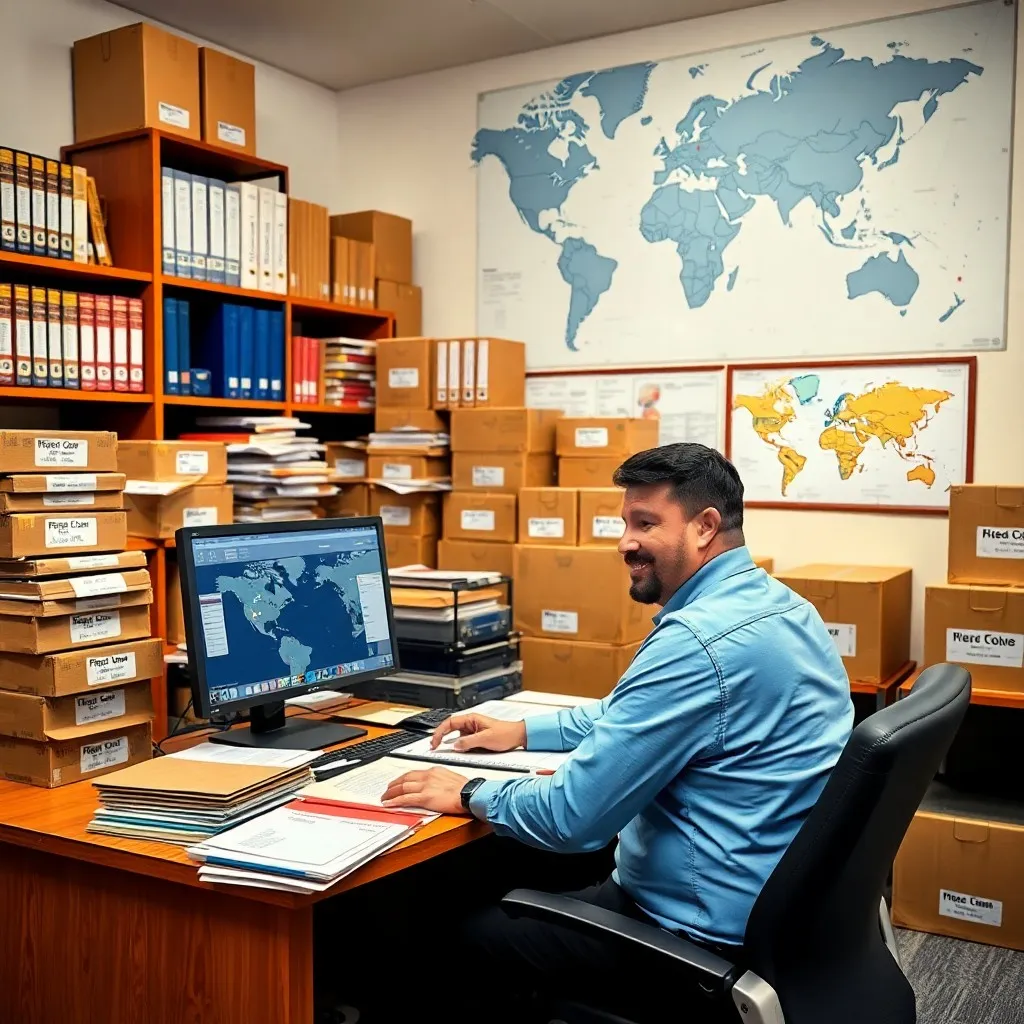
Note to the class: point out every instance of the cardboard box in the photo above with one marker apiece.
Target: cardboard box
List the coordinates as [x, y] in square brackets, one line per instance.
[157, 517]
[499, 376]
[34, 534]
[43, 492]
[95, 668]
[507, 472]
[601, 520]
[138, 76]
[86, 756]
[175, 608]
[58, 451]
[84, 501]
[475, 556]
[35, 568]
[408, 467]
[351, 500]
[345, 462]
[70, 632]
[174, 461]
[471, 516]
[391, 237]
[981, 628]
[227, 98]
[403, 550]
[593, 472]
[768, 564]
[404, 368]
[986, 534]
[55, 718]
[406, 302]
[867, 611]
[548, 515]
[565, 593]
[504, 430]
[600, 435]
[571, 666]
[45, 598]
[414, 515]
[387, 418]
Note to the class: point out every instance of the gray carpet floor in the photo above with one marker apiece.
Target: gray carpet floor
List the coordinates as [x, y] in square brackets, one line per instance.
[963, 982]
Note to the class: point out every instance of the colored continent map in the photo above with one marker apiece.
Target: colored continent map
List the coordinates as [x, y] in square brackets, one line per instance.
[666, 201]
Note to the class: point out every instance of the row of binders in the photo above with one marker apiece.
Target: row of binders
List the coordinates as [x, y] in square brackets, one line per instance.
[340, 372]
[232, 233]
[61, 339]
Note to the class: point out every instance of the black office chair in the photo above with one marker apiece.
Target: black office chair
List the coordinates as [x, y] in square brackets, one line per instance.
[819, 947]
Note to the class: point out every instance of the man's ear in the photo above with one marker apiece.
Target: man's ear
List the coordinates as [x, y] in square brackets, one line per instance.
[708, 523]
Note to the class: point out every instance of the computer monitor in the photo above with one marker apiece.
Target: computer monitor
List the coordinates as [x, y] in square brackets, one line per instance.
[281, 610]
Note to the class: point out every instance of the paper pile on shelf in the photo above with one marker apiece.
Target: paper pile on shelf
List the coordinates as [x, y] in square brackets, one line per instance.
[350, 373]
[407, 460]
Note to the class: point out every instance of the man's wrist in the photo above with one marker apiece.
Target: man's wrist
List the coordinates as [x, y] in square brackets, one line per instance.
[466, 795]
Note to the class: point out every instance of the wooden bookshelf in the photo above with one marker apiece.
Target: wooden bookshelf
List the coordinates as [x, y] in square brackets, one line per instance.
[32, 394]
[226, 404]
[22, 268]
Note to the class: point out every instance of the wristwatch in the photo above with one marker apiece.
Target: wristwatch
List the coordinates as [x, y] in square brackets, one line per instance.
[467, 792]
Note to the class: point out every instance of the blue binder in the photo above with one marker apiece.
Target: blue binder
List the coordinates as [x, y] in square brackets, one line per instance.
[222, 355]
[277, 355]
[184, 348]
[171, 385]
[247, 351]
[262, 370]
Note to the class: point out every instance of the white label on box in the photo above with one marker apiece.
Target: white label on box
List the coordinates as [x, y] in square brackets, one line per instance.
[71, 481]
[844, 636]
[171, 114]
[95, 604]
[396, 515]
[1000, 542]
[68, 500]
[94, 586]
[404, 377]
[61, 451]
[104, 754]
[591, 437]
[206, 515]
[72, 532]
[608, 527]
[192, 463]
[396, 471]
[488, 476]
[93, 562]
[549, 529]
[233, 134]
[95, 707]
[109, 668]
[477, 519]
[965, 907]
[101, 626]
[559, 622]
[985, 647]
[349, 468]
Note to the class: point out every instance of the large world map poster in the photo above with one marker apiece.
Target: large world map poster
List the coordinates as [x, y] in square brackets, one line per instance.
[837, 193]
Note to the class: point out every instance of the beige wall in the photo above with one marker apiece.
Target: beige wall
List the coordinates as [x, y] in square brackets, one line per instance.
[413, 158]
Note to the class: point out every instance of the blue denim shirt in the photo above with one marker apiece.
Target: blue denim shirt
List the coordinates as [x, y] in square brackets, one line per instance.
[706, 757]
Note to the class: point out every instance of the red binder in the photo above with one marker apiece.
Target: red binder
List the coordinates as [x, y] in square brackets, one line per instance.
[87, 341]
[119, 336]
[136, 356]
[104, 347]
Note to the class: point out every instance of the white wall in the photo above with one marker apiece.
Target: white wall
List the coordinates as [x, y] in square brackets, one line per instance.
[296, 121]
[419, 132]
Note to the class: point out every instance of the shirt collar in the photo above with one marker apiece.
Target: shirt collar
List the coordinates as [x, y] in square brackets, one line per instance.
[729, 563]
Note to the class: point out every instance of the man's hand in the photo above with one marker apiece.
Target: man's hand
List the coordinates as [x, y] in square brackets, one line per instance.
[436, 789]
[478, 732]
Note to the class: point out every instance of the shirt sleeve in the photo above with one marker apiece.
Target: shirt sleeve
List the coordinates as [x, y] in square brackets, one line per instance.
[565, 729]
[666, 710]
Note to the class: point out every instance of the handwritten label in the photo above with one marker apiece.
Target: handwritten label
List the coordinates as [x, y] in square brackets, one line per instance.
[192, 463]
[844, 636]
[477, 519]
[559, 622]
[95, 604]
[488, 476]
[396, 471]
[68, 500]
[404, 377]
[94, 586]
[101, 626]
[71, 481]
[1000, 542]
[72, 532]
[591, 437]
[349, 468]
[607, 527]
[93, 562]
[110, 668]
[104, 754]
[547, 529]
[95, 707]
[232, 134]
[61, 451]
[174, 115]
[966, 907]
[985, 647]
[205, 515]
[395, 515]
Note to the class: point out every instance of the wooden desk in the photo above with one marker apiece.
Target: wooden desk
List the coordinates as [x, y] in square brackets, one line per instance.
[101, 930]
[886, 691]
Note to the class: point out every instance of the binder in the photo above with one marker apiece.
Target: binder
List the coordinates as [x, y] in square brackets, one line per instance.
[232, 235]
[167, 224]
[104, 348]
[246, 350]
[280, 243]
[38, 181]
[22, 334]
[215, 269]
[296, 369]
[171, 346]
[267, 208]
[67, 212]
[6, 335]
[40, 353]
[87, 341]
[136, 348]
[80, 214]
[468, 373]
[184, 346]
[183, 223]
[261, 372]
[8, 203]
[313, 370]
[200, 227]
[221, 352]
[119, 336]
[97, 226]
[248, 221]
[454, 374]
[69, 332]
[294, 238]
[54, 340]
[53, 209]
[23, 201]
[277, 355]
[441, 374]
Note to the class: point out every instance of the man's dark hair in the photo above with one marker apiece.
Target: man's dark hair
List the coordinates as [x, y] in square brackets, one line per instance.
[699, 476]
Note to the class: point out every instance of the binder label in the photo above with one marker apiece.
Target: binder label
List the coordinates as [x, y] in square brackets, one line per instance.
[72, 532]
[109, 668]
[591, 437]
[192, 463]
[233, 134]
[985, 647]
[95, 707]
[488, 476]
[349, 468]
[100, 626]
[61, 451]
[607, 527]
[71, 481]
[92, 562]
[396, 515]
[396, 471]
[844, 636]
[204, 516]
[478, 519]
[404, 377]
[170, 114]
[966, 907]
[1000, 542]
[105, 754]
[546, 528]
[66, 500]
[94, 586]
[559, 622]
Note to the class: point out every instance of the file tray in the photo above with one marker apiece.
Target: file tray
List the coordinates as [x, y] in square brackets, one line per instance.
[432, 691]
[470, 661]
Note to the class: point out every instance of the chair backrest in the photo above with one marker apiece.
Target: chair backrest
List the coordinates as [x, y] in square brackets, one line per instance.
[813, 933]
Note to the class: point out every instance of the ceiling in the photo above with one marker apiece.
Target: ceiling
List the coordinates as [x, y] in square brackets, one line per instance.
[346, 43]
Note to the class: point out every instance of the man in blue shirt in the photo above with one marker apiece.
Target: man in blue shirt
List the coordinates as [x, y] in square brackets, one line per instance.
[706, 757]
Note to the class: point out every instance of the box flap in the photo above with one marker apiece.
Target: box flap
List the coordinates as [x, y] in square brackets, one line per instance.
[159, 488]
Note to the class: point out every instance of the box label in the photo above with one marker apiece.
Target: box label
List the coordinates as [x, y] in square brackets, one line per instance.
[477, 519]
[349, 468]
[488, 476]
[844, 636]
[94, 586]
[95, 707]
[559, 622]
[232, 134]
[396, 515]
[71, 481]
[591, 437]
[95, 604]
[607, 527]
[73, 532]
[67, 500]
[205, 515]
[548, 529]
[985, 647]
[1000, 542]
[396, 471]
[192, 463]
[61, 451]
[404, 377]
[101, 626]
[109, 668]
[93, 562]
[965, 907]
[105, 754]
[174, 115]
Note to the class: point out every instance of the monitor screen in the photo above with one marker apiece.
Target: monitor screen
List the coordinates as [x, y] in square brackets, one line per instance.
[285, 610]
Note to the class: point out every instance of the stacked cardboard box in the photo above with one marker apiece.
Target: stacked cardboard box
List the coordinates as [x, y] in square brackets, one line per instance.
[591, 449]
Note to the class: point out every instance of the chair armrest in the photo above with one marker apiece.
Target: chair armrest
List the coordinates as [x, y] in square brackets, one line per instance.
[713, 973]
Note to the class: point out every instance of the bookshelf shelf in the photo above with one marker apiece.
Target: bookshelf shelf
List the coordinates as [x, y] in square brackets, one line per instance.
[337, 410]
[320, 307]
[223, 403]
[226, 290]
[28, 393]
[45, 268]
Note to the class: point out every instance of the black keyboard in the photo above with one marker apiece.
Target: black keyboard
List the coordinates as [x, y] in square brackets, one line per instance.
[427, 721]
[328, 765]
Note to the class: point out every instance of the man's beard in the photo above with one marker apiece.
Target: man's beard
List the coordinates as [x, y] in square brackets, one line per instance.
[646, 590]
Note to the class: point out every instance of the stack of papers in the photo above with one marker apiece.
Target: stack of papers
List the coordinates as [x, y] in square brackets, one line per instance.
[522, 762]
[350, 373]
[420, 444]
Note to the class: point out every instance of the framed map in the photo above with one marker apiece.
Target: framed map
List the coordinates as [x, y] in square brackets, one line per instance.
[886, 436]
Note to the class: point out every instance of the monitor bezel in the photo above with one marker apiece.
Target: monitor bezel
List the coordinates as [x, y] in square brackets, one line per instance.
[193, 620]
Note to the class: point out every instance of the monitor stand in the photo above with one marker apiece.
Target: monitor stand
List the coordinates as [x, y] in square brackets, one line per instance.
[270, 729]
